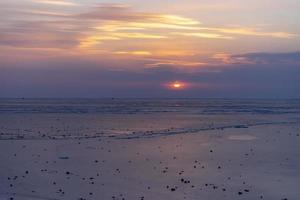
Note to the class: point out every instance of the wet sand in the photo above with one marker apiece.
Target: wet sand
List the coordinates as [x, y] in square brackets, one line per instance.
[259, 162]
[76, 149]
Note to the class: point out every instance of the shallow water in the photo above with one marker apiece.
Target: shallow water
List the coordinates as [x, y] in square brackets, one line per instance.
[132, 118]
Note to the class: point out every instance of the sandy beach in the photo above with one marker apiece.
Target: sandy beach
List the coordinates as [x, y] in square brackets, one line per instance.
[251, 160]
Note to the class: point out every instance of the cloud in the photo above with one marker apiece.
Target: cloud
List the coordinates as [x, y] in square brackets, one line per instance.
[119, 18]
[204, 35]
[140, 53]
[117, 31]
[271, 58]
[121, 12]
[254, 32]
[175, 63]
[261, 58]
[56, 2]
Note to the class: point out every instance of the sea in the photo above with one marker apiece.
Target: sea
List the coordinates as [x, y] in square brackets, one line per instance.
[38, 119]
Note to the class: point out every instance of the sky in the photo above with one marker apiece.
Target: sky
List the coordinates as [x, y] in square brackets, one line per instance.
[150, 49]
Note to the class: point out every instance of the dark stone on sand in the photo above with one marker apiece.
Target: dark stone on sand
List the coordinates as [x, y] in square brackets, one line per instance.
[64, 157]
[240, 126]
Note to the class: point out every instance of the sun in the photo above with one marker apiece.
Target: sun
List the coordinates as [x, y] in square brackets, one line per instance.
[177, 85]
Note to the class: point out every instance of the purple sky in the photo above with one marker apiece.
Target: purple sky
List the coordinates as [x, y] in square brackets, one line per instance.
[92, 48]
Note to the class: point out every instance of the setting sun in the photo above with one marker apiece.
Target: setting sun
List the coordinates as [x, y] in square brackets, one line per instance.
[177, 85]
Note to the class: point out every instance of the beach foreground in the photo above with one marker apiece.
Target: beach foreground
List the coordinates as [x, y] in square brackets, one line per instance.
[253, 160]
